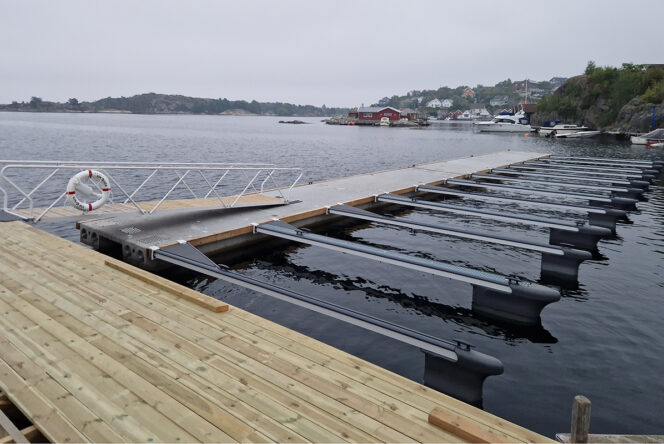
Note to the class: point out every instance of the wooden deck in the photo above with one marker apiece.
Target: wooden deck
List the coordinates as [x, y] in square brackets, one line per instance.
[92, 352]
[175, 204]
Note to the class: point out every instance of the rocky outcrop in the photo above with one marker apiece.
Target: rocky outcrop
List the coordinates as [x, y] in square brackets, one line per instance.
[636, 116]
[609, 99]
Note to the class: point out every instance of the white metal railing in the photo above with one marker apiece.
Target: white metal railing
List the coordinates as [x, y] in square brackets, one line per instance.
[21, 181]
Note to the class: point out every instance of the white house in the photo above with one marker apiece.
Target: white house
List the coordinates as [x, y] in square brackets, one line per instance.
[435, 103]
[447, 103]
[499, 101]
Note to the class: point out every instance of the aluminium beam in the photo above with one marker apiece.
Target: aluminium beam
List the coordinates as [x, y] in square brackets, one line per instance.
[644, 162]
[451, 367]
[590, 173]
[614, 190]
[593, 168]
[614, 182]
[623, 203]
[598, 216]
[495, 296]
[557, 262]
[564, 162]
[576, 235]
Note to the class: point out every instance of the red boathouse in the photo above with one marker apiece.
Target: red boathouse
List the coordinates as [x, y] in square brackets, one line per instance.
[375, 113]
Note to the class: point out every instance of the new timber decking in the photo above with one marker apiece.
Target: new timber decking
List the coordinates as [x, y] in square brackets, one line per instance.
[92, 349]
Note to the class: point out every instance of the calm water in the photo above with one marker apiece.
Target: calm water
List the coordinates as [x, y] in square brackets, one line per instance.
[604, 339]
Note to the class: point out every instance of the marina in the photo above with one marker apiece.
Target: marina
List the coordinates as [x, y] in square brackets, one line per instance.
[384, 206]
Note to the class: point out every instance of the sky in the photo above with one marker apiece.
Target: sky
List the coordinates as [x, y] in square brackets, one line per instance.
[337, 53]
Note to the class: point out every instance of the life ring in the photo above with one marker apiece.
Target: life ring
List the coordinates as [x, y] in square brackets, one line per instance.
[75, 182]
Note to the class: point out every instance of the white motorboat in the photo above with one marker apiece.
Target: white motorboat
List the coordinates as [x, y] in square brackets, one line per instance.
[578, 134]
[560, 129]
[384, 121]
[508, 123]
[653, 136]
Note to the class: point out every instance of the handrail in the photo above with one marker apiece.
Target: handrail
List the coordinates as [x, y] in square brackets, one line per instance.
[181, 173]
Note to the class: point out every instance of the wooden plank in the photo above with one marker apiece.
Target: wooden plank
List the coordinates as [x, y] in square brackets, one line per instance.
[175, 390]
[75, 412]
[149, 311]
[185, 293]
[164, 404]
[372, 374]
[108, 385]
[145, 328]
[105, 396]
[54, 426]
[13, 431]
[193, 364]
[464, 428]
[31, 434]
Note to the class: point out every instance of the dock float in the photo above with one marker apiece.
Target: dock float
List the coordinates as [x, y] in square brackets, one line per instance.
[583, 173]
[215, 232]
[561, 232]
[619, 202]
[557, 261]
[598, 216]
[95, 350]
[614, 190]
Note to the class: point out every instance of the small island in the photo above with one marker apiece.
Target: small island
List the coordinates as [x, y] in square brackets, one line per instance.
[294, 122]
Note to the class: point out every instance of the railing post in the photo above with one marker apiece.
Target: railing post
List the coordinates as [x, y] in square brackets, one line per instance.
[580, 420]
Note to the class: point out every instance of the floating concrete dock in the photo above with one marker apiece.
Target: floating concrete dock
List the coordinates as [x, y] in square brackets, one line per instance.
[96, 350]
[212, 233]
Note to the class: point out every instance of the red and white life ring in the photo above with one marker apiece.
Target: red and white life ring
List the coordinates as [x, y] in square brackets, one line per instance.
[75, 182]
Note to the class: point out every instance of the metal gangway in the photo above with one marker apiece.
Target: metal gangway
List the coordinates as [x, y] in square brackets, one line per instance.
[27, 186]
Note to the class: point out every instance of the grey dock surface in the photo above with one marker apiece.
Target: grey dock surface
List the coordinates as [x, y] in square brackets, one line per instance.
[215, 230]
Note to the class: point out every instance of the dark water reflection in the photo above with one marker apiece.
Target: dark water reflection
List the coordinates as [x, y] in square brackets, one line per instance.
[603, 339]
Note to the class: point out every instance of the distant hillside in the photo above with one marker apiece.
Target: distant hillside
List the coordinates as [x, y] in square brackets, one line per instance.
[608, 98]
[152, 103]
[505, 94]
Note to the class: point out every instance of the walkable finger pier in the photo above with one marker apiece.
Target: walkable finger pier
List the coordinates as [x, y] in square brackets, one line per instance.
[96, 347]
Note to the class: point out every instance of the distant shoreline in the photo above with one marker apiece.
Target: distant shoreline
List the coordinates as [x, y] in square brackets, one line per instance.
[154, 114]
[154, 104]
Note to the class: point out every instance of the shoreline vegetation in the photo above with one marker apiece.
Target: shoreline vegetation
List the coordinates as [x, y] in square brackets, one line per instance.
[607, 98]
[152, 103]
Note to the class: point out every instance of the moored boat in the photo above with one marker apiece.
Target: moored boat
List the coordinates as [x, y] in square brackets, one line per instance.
[653, 136]
[509, 123]
[561, 129]
[578, 134]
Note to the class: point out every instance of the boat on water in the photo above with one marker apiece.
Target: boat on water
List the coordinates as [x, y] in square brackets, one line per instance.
[384, 121]
[505, 122]
[578, 134]
[561, 129]
[653, 136]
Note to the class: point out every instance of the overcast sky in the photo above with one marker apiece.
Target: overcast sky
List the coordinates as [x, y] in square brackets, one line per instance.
[337, 53]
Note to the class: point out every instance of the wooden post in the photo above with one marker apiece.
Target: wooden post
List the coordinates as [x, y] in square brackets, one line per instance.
[580, 420]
